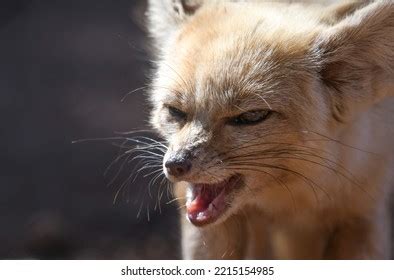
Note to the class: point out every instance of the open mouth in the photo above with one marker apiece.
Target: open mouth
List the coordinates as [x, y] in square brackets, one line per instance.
[207, 202]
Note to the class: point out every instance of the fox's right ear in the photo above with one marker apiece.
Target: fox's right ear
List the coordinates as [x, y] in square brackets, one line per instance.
[356, 56]
[166, 16]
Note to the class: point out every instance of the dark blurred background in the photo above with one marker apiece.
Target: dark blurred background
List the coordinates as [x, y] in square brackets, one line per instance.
[64, 68]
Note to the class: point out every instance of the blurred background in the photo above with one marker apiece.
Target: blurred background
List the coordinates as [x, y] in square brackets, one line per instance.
[65, 67]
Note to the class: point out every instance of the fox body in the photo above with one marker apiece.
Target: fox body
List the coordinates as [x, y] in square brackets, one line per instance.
[279, 124]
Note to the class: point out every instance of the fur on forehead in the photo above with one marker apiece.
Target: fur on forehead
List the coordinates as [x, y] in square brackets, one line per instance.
[166, 17]
[306, 40]
[242, 67]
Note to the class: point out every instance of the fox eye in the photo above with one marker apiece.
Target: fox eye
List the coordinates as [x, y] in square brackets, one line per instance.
[250, 118]
[177, 114]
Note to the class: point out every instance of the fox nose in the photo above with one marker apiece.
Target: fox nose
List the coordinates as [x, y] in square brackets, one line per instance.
[178, 167]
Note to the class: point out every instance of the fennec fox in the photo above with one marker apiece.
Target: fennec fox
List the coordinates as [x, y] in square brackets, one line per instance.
[279, 124]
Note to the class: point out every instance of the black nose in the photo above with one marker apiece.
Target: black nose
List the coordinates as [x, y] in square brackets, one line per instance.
[178, 167]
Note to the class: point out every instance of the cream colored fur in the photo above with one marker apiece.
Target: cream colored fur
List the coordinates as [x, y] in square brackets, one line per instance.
[328, 72]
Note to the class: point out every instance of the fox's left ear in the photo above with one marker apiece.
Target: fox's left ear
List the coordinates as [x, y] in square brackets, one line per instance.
[166, 16]
[357, 57]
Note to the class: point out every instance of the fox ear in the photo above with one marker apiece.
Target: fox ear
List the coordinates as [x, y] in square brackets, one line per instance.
[165, 16]
[357, 57]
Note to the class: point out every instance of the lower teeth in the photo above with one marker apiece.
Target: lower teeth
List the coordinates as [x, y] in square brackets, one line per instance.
[200, 216]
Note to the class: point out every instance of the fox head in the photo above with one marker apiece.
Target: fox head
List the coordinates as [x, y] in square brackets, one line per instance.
[250, 96]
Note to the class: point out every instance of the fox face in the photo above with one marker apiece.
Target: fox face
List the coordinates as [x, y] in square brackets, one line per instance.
[250, 98]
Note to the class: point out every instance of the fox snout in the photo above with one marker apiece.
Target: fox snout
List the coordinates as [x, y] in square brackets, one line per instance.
[187, 153]
[178, 164]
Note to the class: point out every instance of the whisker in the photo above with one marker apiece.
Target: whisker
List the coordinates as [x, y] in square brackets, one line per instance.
[133, 91]
[309, 182]
[293, 156]
[117, 174]
[175, 199]
[280, 182]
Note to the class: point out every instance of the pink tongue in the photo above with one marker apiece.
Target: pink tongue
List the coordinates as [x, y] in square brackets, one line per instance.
[208, 202]
[206, 205]
[201, 202]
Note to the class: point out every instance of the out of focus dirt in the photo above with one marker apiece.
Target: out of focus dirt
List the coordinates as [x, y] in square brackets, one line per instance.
[65, 66]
